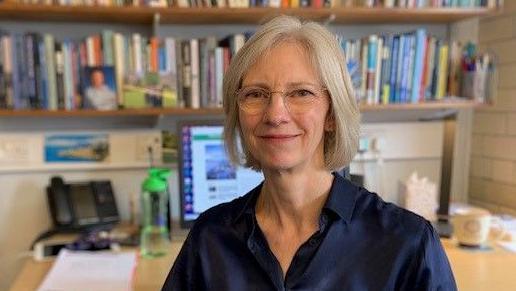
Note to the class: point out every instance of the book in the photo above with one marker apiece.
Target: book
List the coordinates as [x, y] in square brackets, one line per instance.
[419, 59]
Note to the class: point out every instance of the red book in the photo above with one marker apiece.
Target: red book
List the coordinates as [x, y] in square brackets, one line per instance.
[97, 48]
[425, 72]
[154, 46]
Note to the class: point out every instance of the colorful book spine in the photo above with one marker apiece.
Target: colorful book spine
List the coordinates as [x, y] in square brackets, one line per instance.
[419, 59]
[443, 72]
[372, 47]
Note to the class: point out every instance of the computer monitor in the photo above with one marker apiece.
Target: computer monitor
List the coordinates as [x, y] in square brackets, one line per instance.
[207, 177]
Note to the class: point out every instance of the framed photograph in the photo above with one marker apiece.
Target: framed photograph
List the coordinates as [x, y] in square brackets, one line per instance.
[92, 147]
[99, 88]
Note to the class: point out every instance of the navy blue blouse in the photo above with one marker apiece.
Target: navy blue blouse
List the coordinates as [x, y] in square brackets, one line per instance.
[363, 243]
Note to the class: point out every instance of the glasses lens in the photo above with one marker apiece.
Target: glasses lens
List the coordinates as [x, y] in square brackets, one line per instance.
[253, 99]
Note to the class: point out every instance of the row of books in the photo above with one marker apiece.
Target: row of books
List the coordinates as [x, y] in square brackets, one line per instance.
[426, 3]
[276, 3]
[191, 3]
[412, 67]
[110, 70]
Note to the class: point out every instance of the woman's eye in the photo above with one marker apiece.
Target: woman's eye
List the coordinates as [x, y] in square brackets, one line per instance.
[301, 93]
[255, 94]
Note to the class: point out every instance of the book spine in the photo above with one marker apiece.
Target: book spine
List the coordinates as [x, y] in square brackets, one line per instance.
[3, 87]
[119, 57]
[187, 73]
[443, 72]
[363, 87]
[107, 47]
[194, 59]
[430, 68]
[8, 70]
[59, 61]
[394, 68]
[154, 59]
[418, 65]
[407, 58]
[399, 73]
[30, 72]
[203, 71]
[137, 54]
[67, 76]
[51, 71]
[90, 51]
[378, 68]
[386, 70]
[435, 71]
[219, 74]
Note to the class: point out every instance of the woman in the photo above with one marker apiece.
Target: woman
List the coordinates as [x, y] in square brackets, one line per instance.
[289, 98]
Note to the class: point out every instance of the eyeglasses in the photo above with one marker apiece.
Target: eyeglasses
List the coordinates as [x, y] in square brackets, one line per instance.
[254, 100]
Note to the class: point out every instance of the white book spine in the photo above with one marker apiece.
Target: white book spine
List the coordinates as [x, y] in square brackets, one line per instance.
[194, 64]
[137, 57]
[275, 3]
[90, 52]
[119, 54]
[219, 74]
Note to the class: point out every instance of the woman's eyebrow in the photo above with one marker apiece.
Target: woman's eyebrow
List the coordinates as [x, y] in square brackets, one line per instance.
[288, 85]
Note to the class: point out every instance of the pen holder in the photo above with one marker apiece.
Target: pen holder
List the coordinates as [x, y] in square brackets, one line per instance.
[479, 85]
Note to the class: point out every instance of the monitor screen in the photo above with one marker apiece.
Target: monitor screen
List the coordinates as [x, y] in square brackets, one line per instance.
[207, 177]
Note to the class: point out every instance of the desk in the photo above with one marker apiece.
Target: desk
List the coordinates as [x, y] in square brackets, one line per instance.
[473, 270]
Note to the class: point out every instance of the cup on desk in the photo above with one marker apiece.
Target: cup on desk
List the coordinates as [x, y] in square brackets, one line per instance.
[472, 227]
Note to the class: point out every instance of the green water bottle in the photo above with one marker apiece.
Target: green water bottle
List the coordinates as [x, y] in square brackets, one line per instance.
[154, 237]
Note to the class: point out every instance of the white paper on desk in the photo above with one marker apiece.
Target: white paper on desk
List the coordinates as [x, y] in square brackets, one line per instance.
[508, 245]
[98, 271]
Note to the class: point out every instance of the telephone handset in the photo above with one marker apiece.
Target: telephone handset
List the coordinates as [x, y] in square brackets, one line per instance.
[80, 205]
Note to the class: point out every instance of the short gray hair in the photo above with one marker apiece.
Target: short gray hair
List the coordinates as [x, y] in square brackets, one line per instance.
[340, 145]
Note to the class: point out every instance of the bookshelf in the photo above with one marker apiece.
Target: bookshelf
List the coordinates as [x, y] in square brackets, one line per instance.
[156, 112]
[256, 15]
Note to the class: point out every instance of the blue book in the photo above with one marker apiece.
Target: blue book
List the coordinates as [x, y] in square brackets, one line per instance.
[162, 59]
[394, 67]
[399, 74]
[419, 60]
[405, 68]
[19, 101]
[43, 82]
[410, 75]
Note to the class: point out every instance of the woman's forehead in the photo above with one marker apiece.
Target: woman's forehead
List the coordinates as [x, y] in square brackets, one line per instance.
[284, 63]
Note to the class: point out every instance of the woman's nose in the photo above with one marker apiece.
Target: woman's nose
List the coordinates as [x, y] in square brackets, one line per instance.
[276, 111]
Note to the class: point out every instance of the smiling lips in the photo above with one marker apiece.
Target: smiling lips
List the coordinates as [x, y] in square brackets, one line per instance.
[278, 137]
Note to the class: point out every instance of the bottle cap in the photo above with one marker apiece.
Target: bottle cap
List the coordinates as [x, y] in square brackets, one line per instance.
[157, 180]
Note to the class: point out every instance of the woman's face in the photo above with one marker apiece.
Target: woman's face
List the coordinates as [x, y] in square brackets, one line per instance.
[281, 138]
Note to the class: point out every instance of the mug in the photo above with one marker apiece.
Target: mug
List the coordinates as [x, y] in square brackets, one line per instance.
[472, 226]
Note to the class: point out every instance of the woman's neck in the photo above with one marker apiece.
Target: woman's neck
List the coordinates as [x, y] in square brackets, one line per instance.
[294, 201]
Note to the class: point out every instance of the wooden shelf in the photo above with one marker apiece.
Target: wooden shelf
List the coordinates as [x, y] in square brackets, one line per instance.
[145, 15]
[218, 111]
